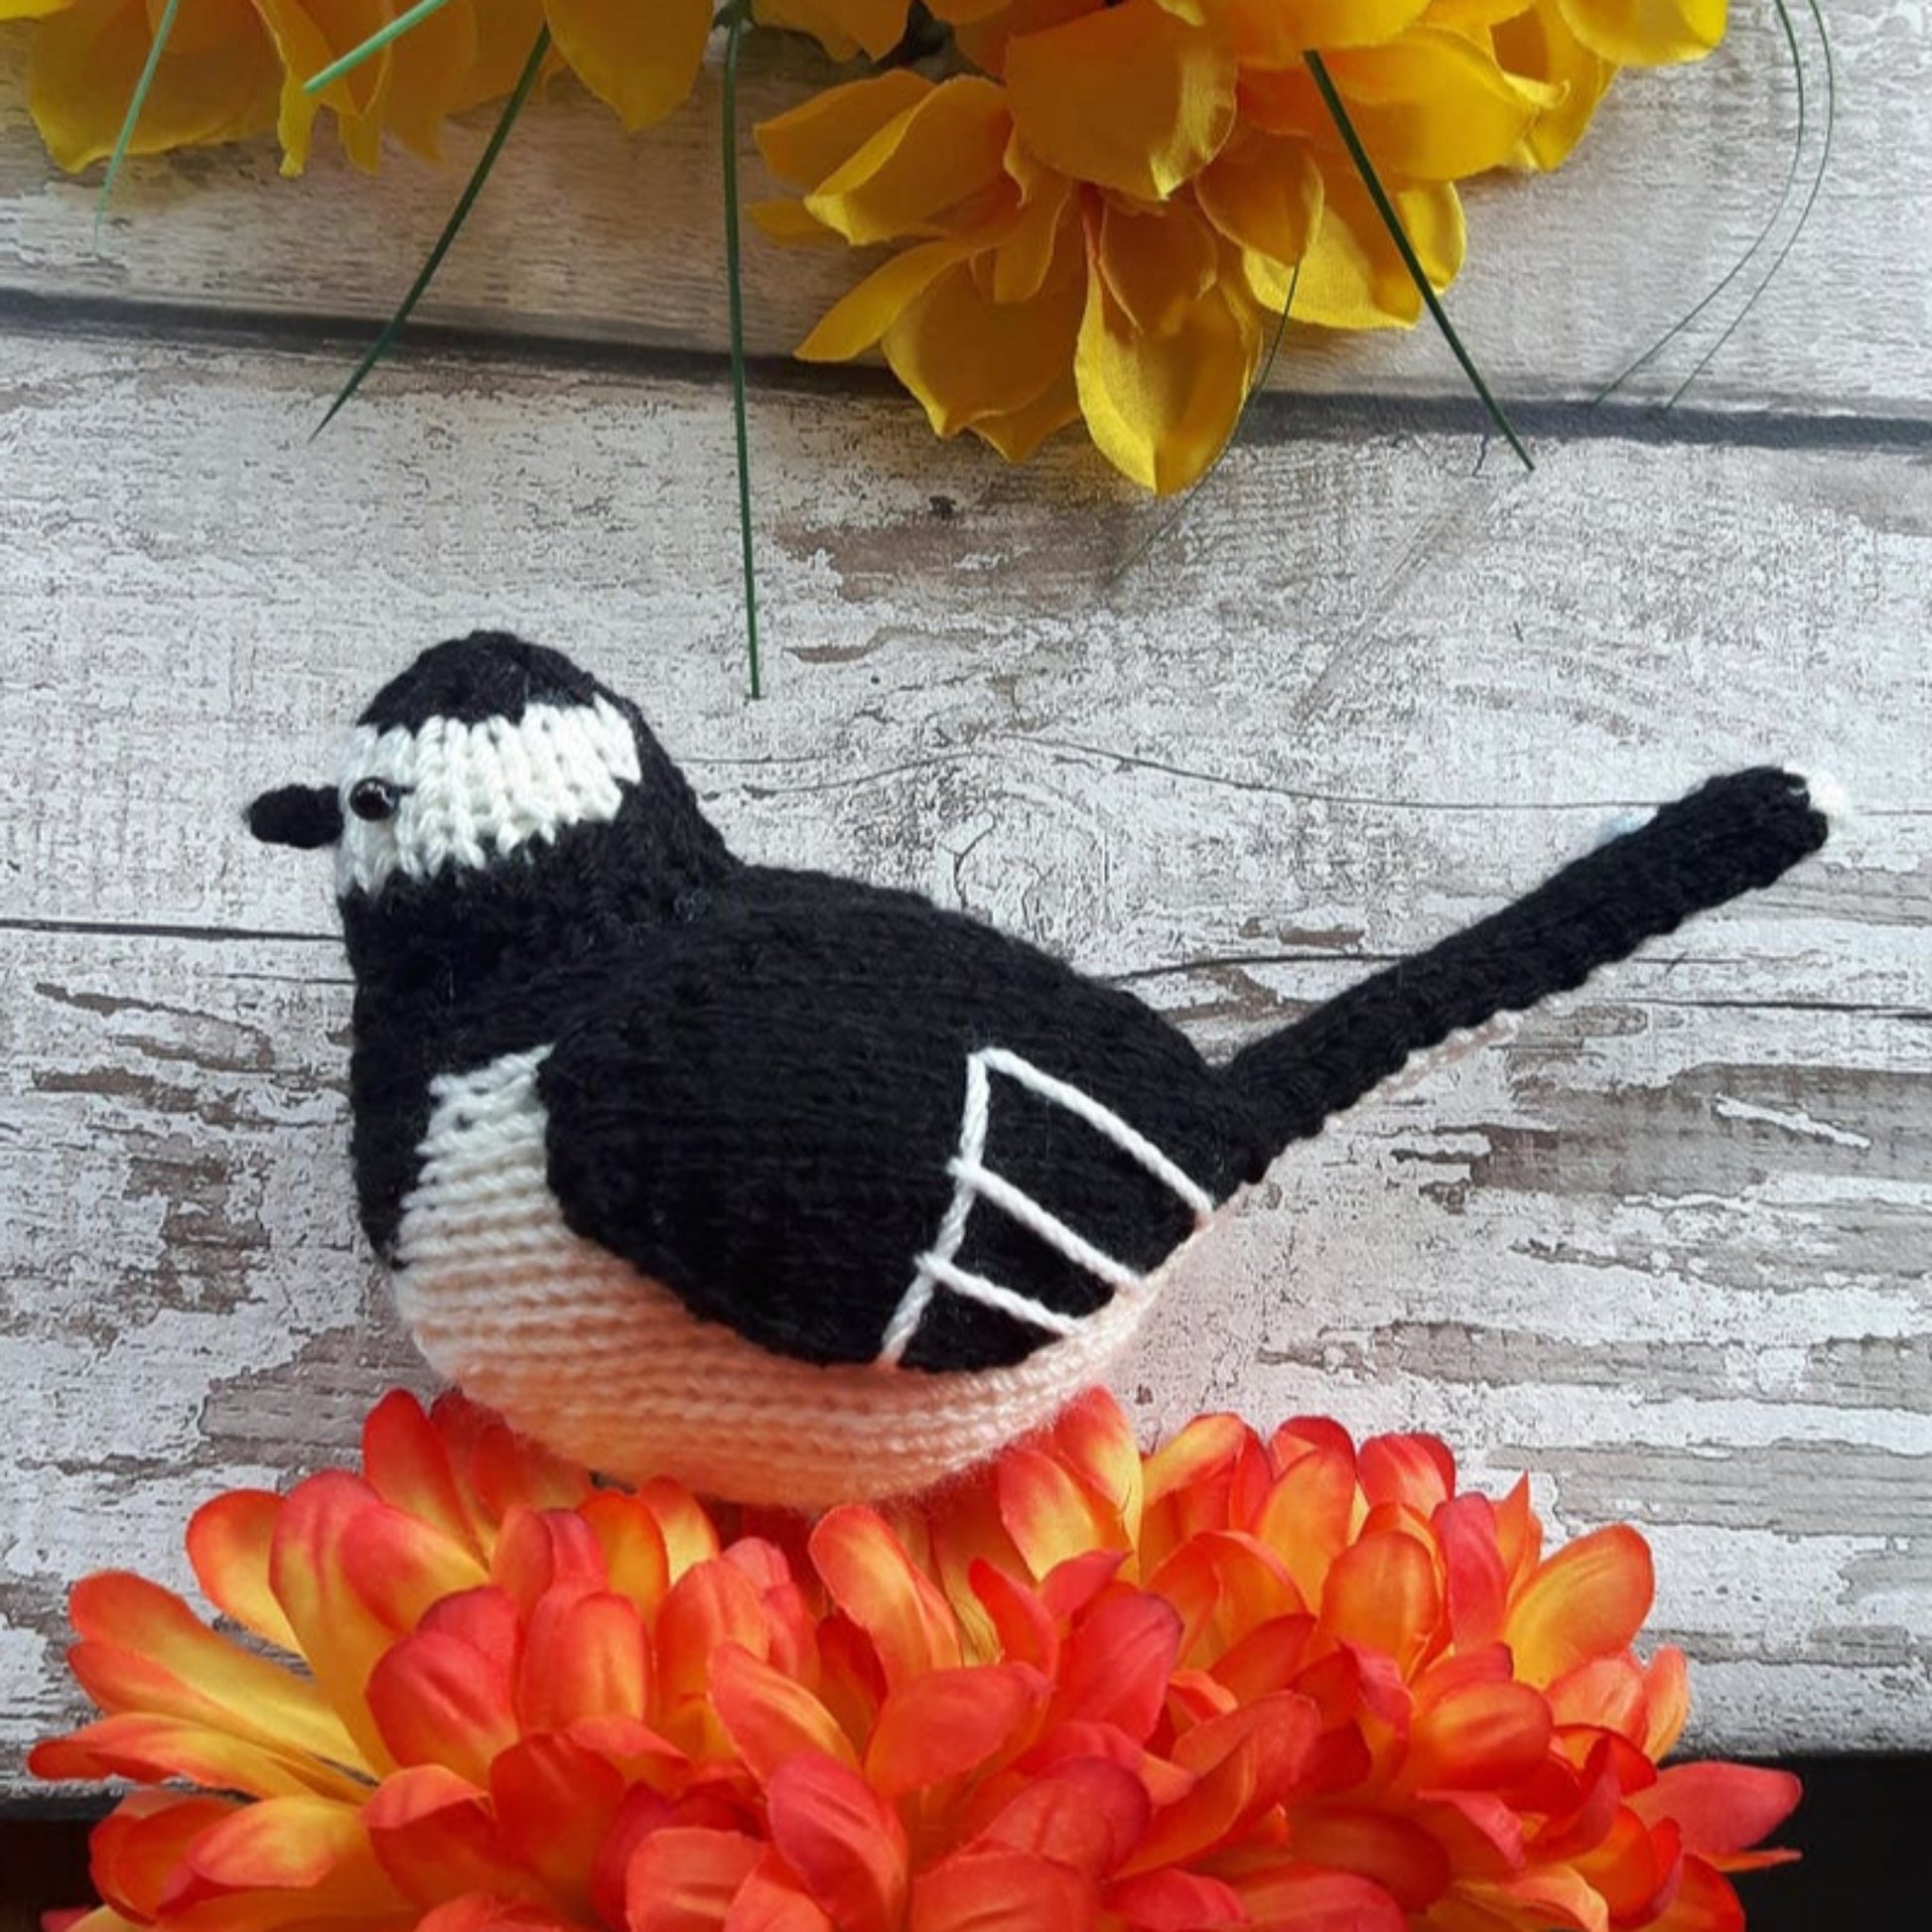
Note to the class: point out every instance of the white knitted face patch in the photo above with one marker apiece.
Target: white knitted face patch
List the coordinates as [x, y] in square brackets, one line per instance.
[469, 794]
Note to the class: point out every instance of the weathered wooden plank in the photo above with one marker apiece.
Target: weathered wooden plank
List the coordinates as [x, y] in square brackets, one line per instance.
[1665, 1248]
[588, 235]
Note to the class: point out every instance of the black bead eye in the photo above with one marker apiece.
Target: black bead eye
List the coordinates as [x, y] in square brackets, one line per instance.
[374, 799]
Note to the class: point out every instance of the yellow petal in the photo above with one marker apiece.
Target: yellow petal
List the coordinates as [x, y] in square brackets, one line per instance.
[1352, 276]
[640, 61]
[1647, 33]
[428, 69]
[507, 30]
[968, 358]
[86, 62]
[32, 9]
[1158, 264]
[1160, 408]
[937, 161]
[842, 27]
[1273, 32]
[1539, 46]
[1129, 98]
[1019, 435]
[1435, 107]
[823, 133]
[860, 317]
[1263, 194]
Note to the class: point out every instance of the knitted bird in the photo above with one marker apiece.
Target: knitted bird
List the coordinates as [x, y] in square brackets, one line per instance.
[795, 1188]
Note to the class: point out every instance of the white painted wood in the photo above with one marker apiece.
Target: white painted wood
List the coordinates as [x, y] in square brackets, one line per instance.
[588, 235]
[1666, 1248]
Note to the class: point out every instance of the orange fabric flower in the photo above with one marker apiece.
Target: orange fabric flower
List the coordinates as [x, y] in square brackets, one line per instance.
[1235, 1682]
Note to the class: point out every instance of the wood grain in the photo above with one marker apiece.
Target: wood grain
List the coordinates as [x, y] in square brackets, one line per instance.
[586, 237]
[1665, 1247]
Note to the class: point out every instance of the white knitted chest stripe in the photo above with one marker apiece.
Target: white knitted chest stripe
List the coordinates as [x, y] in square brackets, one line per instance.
[471, 793]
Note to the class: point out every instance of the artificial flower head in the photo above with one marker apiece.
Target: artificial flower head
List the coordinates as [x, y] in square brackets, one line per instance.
[1240, 1682]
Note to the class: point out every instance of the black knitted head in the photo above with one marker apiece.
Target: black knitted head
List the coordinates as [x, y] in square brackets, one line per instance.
[470, 680]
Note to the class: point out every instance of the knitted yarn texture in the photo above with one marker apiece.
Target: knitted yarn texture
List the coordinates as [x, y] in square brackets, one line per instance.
[800, 1190]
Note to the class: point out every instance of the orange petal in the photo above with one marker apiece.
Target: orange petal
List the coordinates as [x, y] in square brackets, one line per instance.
[1308, 1516]
[1588, 1600]
[340, 1635]
[1399, 1856]
[1093, 1435]
[541, 1550]
[151, 1751]
[280, 1845]
[406, 1459]
[1416, 1471]
[634, 1557]
[876, 1584]
[1267, 1658]
[1087, 1814]
[1481, 1736]
[1382, 1594]
[433, 1834]
[950, 1722]
[1667, 1702]
[134, 1850]
[1047, 1510]
[554, 1801]
[440, 1700]
[684, 1880]
[143, 1649]
[1129, 98]
[582, 1658]
[845, 1842]
[769, 1716]
[228, 1543]
[1116, 1664]
[1719, 1808]
[1022, 1623]
[1002, 1891]
[1474, 1576]
[690, 1536]
[770, 1902]
[1550, 1897]
[1304, 1898]
[1175, 1901]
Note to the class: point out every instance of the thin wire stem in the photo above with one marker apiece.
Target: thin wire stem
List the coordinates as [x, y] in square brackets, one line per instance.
[1385, 208]
[487, 161]
[376, 42]
[734, 290]
[143, 86]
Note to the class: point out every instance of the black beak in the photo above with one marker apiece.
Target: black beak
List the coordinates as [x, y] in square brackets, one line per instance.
[304, 816]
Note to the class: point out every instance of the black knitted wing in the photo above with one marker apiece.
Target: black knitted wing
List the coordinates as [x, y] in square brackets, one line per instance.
[765, 1111]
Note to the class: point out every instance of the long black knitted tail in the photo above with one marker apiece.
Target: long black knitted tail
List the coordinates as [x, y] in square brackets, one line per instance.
[1732, 836]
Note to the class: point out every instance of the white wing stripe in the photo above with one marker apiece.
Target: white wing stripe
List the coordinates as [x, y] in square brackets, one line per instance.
[973, 1179]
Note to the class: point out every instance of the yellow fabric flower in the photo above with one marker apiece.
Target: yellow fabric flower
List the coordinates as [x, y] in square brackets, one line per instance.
[231, 69]
[1107, 221]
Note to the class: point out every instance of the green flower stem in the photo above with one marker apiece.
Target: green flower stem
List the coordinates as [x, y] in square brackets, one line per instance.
[512, 107]
[736, 20]
[1345, 127]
